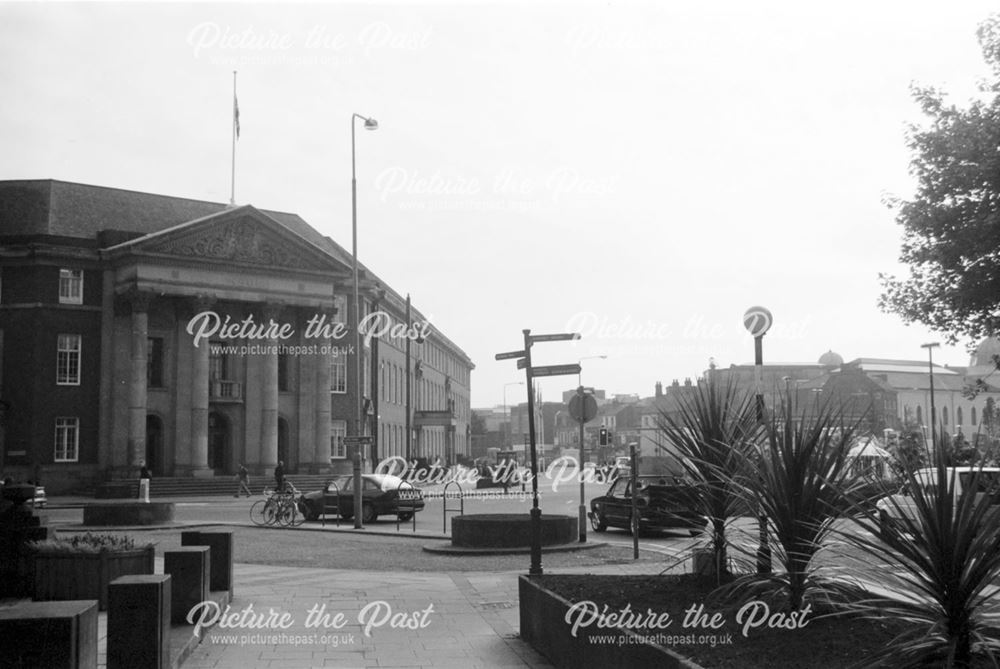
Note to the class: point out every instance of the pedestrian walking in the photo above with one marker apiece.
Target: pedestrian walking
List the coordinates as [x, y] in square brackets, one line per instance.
[243, 476]
[279, 476]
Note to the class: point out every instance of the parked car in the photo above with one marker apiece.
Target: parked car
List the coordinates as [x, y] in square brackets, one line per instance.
[381, 495]
[893, 508]
[663, 502]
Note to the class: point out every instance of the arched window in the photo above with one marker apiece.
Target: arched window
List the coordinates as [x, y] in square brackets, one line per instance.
[958, 417]
[920, 415]
[944, 415]
[973, 416]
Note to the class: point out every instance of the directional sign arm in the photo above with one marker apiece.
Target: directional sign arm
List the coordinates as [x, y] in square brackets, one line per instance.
[565, 336]
[555, 370]
[509, 355]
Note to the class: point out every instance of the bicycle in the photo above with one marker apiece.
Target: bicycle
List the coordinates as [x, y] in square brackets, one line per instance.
[279, 508]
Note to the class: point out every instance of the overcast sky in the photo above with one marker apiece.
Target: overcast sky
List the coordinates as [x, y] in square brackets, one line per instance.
[640, 172]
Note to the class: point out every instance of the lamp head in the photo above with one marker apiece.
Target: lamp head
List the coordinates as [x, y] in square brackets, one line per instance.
[371, 124]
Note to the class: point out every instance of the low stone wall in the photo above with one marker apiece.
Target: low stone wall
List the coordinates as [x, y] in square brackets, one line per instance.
[544, 626]
[128, 513]
[510, 530]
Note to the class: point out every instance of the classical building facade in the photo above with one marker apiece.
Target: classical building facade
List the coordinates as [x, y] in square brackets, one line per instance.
[195, 337]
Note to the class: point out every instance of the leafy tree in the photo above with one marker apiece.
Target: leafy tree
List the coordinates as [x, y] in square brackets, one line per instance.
[951, 238]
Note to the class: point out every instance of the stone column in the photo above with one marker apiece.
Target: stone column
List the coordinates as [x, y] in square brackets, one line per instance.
[199, 399]
[137, 379]
[269, 395]
[322, 457]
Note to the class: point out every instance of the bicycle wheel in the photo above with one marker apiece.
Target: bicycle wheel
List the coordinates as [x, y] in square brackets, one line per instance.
[257, 515]
[285, 514]
[271, 512]
[298, 517]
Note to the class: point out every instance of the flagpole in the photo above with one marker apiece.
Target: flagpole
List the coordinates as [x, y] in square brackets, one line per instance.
[232, 192]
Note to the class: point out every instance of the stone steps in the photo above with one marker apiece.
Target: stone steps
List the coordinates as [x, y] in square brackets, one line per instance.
[222, 485]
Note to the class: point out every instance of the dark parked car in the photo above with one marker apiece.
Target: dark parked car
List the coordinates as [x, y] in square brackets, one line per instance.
[663, 502]
[381, 495]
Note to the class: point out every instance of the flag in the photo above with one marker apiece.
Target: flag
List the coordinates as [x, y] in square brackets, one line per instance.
[236, 115]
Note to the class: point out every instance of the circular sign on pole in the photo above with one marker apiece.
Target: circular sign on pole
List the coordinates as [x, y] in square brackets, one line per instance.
[583, 408]
[757, 320]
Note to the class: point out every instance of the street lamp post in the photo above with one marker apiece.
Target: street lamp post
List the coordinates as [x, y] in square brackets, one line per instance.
[582, 510]
[370, 124]
[930, 367]
[506, 434]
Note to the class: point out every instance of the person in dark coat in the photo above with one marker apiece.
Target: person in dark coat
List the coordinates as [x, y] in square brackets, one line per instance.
[279, 476]
[144, 473]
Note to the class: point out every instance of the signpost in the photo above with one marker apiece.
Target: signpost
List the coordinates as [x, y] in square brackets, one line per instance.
[555, 370]
[583, 408]
[757, 321]
[524, 362]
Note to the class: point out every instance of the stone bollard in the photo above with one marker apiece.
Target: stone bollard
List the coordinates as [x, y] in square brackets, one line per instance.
[55, 635]
[188, 568]
[139, 622]
[221, 555]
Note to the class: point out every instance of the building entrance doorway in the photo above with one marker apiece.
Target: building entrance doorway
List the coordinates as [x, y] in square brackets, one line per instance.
[218, 443]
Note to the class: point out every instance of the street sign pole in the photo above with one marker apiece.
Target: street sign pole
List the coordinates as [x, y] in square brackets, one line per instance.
[757, 321]
[583, 500]
[524, 362]
[536, 513]
[583, 408]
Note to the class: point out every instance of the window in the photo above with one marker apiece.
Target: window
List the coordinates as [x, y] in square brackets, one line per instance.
[68, 360]
[71, 286]
[366, 381]
[67, 439]
[958, 416]
[340, 304]
[920, 415]
[973, 416]
[944, 415]
[154, 362]
[218, 364]
[338, 431]
[338, 373]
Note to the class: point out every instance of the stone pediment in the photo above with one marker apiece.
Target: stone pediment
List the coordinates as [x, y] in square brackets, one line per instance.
[244, 240]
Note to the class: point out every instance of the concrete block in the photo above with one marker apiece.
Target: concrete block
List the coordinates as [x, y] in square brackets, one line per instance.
[55, 635]
[189, 568]
[139, 622]
[221, 555]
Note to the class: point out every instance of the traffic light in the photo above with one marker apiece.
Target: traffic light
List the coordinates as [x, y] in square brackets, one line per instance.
[603, 439]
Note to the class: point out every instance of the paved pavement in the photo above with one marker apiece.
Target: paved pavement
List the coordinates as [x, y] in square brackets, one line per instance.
[465, 620]
[414, 619]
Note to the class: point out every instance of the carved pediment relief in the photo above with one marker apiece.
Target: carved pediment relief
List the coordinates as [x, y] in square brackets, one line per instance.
[243, 240]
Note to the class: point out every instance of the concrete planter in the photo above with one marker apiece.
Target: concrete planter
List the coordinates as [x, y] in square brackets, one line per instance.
[63, 575]
[543, 625]
[511, 530]
[110, 514]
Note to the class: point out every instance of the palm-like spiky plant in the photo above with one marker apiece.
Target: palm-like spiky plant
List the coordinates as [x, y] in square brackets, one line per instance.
[946, 553]
[711, 433]
[802, 481]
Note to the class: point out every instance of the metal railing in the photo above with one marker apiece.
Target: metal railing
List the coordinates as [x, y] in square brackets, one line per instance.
[444, 504]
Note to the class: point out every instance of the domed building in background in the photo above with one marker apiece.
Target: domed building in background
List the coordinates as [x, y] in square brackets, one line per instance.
[831, 359]
[983, 361]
